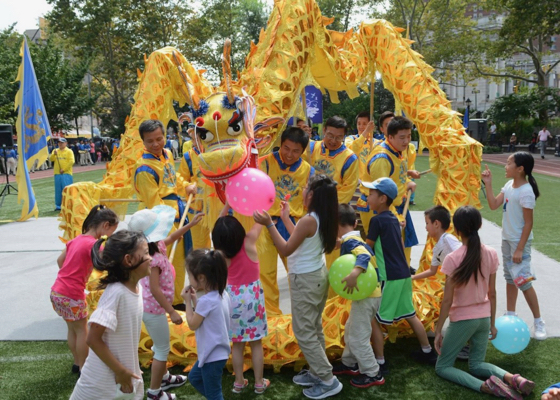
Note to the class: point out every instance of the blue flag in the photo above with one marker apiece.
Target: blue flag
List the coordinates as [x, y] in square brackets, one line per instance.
[33, 130]
[466, 119]
[314, 106]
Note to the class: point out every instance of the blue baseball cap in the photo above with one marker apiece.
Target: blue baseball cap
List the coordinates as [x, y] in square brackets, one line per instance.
[385, 186]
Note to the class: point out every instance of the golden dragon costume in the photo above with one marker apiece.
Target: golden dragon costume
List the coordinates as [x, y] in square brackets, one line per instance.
[295, 50]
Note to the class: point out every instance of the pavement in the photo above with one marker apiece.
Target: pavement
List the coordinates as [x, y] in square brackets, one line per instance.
[28, 253]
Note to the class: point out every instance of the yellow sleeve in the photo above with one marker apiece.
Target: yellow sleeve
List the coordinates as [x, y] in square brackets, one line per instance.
[380, 168]
[357, 145]
[147, 190]
[349, 183]
[184, 177]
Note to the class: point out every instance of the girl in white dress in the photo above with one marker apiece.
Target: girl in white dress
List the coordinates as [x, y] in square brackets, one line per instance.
[111, 370]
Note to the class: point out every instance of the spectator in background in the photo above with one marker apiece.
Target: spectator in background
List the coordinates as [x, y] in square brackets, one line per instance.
[533, 144]
[512, 143]
[104, 152]
[543, 140]
[11, 160]
[492, 133]
[92, 152]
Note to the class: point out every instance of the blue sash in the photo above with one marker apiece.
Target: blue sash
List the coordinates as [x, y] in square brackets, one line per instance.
[410, 238]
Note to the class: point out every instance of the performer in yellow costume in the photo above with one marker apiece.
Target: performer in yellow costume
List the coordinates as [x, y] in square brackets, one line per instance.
[389, 159]
[155, 183]
[290, 174]
[190, 176]
[331, 157]
[364, 156]
[63, 161]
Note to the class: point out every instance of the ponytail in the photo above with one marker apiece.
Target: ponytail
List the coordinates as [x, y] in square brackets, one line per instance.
[526, 160]
[324, 202]
[97, 216]
[467, 221]
[111, 258]
[210, 263]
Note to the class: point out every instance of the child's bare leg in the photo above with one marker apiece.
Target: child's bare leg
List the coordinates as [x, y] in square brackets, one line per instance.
[511, 297]
[533, 302]
[237, 361]
[159, 369]
[257, 357]
[377, 341]
[72, 340]
[79, 337]
[419, 330]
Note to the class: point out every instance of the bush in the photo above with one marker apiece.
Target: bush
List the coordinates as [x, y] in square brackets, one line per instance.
[491, 150]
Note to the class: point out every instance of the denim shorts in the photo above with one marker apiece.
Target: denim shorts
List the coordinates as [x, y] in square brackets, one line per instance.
[520, 275]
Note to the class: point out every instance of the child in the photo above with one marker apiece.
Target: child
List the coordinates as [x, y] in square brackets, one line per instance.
[358, 357]
[67, 294]
[158, 291]
[469, 300]
[209, 317]
[248, 317]
[438, 220]
[384, 236]
[518, 197]
[314, 235]
[113, 369]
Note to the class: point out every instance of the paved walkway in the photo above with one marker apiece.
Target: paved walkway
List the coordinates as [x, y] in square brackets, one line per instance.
[28, 253]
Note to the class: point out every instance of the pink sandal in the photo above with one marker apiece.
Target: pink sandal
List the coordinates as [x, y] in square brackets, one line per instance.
[525, 387]
[237, 388]
[501, 389]
[260, 389]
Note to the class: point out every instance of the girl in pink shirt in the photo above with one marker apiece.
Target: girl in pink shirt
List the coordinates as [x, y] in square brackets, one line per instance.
[248, 317]
[469, 300]
[67, 294]
[158, 291]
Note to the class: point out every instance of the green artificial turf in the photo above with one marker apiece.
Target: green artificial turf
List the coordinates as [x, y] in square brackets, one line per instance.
[41, 370]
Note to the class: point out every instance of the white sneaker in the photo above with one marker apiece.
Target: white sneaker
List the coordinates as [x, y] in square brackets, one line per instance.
[540, 330]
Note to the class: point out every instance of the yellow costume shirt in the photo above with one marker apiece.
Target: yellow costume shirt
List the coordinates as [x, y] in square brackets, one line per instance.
[384, 162]
[189, 170]
[341, 165]
[155, 179]
[62, 160]
[288, 179]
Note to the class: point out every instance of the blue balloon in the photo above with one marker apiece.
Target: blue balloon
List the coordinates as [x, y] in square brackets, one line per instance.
[513, 335]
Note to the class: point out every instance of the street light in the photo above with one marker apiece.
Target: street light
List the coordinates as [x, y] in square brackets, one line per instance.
[476, 91]
[468, 103]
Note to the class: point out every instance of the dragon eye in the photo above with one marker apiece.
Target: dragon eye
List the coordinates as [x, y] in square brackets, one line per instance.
[235, 129]
[205, 135]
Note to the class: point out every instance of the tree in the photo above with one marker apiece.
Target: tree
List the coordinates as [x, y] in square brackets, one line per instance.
[527, 29]
[115, 34]
[238, 20]
[441, 33]
[10, 45]
[61, 81]
[349, 108]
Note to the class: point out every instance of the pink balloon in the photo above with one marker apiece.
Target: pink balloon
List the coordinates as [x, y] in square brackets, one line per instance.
[250, 190]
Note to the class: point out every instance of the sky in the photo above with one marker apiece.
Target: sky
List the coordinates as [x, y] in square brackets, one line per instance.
[25, 13]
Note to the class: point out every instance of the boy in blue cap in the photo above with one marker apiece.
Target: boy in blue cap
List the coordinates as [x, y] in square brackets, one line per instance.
[385, 237]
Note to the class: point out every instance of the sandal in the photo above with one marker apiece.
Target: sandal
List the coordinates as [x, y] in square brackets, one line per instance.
[237, 388]
[501, 389]
[525, 387]
[260, 389]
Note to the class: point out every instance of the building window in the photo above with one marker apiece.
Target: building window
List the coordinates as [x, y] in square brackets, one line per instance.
[475, 7]
[553, 47]
[553, 39]
[475, 16]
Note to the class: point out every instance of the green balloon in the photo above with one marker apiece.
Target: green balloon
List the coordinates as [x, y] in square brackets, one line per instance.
[341, 267]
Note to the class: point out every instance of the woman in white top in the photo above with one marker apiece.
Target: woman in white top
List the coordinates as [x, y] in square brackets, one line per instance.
[314, 235]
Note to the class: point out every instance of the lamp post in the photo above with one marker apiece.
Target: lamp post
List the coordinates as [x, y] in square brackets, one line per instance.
[468, 103]
[476, 91]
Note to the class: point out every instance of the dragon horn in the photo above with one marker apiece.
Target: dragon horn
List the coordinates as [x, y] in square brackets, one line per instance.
[226, 66]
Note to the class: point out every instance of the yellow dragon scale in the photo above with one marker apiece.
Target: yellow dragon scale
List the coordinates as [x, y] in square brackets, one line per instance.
[295, 50]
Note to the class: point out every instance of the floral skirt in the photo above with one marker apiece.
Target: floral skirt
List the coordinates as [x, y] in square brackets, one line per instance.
[248, 315]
